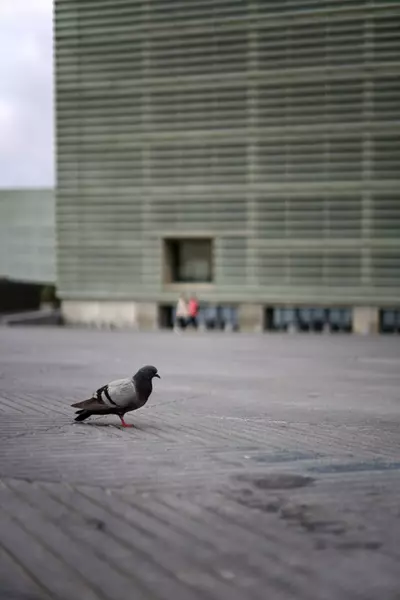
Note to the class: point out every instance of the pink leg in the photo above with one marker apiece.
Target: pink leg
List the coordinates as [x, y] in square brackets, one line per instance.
[124, 424]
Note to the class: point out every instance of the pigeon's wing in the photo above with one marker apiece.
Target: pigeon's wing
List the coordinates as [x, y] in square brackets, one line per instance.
[114, 395]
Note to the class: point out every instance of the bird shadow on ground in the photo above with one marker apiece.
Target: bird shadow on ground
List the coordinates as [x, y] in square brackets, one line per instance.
[108, 425]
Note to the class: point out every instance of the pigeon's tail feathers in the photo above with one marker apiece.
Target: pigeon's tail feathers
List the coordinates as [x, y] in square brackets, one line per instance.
[90, 404]
[82, 415]
[81, 403]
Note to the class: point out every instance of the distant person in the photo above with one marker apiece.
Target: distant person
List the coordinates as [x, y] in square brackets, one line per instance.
[182, 313]
[193, 309]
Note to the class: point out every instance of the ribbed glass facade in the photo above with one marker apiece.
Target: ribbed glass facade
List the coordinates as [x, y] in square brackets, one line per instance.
[271, 128]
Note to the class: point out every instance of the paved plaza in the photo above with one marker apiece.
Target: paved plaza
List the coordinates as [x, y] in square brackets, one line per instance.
[263, 467]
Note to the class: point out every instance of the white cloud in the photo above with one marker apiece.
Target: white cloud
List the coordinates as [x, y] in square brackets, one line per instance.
[6, 113]
[10, 9]
[26, 93]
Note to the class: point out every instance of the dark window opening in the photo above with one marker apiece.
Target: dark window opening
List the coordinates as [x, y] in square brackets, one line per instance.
[166, 316]
[311, 319]
[188, 261]
[389, 320]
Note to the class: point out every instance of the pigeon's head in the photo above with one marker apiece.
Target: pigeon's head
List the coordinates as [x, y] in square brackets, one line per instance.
[148, 372]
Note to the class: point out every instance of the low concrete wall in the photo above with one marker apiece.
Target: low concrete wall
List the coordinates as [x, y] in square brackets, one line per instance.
[47, 316]
[139, 315]
[365, 320]
[251, 317]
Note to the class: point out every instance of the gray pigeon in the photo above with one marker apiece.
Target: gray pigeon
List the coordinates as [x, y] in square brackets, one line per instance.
[119, 397]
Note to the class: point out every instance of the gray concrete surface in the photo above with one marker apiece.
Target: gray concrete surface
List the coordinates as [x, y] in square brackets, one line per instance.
[262, 467]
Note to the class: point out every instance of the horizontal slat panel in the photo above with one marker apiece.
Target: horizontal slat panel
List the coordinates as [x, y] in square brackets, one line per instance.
[304, 267]
[193, 163]
[387, 156]
[386, 268]
[312, 45]
[337, 159]
[230, 259]
[198, 108]
[386, 216]
[326, 102]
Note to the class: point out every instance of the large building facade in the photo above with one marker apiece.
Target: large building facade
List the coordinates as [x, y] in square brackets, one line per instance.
[244, 150]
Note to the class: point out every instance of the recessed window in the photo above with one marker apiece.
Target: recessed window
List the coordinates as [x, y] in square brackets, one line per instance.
[188, 260]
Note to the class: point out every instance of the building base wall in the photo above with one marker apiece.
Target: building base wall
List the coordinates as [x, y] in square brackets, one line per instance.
[138, 315]
[145, 315]
[365, 320]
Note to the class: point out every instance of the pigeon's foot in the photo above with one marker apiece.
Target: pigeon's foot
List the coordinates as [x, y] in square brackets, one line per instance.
[124, 424]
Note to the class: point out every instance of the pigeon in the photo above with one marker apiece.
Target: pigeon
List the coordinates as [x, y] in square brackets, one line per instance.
[119, 397]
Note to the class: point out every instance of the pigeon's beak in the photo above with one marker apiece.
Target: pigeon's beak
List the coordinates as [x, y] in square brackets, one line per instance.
[157, 375]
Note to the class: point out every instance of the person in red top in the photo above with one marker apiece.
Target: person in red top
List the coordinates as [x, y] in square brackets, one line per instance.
[193, 309]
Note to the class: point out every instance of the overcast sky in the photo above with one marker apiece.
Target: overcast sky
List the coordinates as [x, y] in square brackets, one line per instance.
[26, 94]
